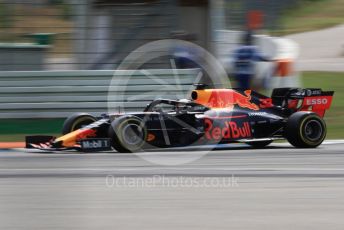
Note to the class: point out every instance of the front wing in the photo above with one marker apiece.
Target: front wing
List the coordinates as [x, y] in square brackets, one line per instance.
[47, 143]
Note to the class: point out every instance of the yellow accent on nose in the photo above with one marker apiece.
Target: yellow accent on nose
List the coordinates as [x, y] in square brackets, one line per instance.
[69, 140]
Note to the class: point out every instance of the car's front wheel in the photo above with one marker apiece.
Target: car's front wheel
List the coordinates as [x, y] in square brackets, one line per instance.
[128, 134]
[305, 130]
[77, 121]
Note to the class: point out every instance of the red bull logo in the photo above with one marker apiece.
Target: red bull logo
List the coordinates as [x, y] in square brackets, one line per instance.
[229, 130]
[225, 98]
[86, 134]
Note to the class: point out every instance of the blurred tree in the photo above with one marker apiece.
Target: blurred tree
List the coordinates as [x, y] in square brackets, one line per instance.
[66, 10]
[63, 6]
[56, 2]
[5, 16]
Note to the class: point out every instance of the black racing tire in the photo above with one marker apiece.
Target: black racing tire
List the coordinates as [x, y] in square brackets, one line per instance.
[259, 144]
[305, 130]
[128, 134]
[77, 121]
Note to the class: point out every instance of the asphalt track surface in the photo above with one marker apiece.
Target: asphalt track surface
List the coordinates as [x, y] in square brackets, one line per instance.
[229, 188]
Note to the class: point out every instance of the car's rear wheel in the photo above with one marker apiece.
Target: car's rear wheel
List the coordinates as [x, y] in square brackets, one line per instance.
[77, 121]
[128, 134]
[305, 130]
[259, 144]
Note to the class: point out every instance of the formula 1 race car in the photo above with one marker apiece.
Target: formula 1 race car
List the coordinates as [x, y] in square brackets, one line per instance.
[211, 116]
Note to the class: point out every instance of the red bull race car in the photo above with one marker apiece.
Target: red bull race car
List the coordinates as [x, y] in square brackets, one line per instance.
[210, 116]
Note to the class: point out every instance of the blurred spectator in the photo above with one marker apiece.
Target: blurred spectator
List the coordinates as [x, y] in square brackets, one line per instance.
[244, 61]
[185, 56]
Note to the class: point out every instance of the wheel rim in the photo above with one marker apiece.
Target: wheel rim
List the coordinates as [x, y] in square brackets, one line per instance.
[313, 130]
[132, 134]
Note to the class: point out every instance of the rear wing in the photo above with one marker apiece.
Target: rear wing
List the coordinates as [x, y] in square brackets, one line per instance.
[317, 101]
[309, 99]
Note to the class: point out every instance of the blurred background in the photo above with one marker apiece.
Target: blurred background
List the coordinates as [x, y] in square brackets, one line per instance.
[98, 34]
[73, 37]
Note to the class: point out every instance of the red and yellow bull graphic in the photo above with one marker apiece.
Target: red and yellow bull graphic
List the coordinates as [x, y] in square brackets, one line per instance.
[224, 98]
[70, 139]
[226, 130]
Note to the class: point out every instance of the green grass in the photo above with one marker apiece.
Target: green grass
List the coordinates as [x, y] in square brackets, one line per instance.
[311, 15]
[335, 116]
[21, 137]
[17, 129]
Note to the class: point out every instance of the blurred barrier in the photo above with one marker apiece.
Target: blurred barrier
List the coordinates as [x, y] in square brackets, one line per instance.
[22, 56]
[54, 94]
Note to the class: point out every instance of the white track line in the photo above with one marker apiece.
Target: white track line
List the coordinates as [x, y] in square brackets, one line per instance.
[114, 169]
